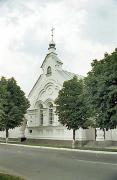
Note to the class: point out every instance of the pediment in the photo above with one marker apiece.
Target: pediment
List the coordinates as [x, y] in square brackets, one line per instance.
[53, 56]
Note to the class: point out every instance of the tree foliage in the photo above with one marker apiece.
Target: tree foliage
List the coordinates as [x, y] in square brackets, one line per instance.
[71, 108]
[13, 104]
[101, 91]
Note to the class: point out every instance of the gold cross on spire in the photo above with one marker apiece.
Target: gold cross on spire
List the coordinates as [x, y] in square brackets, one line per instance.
[52, 32]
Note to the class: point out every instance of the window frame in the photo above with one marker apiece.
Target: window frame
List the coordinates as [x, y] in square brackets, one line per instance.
[51, 114]
[49, 70]
[41, 114]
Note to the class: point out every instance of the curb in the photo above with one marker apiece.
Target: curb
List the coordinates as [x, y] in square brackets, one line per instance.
[63, 149]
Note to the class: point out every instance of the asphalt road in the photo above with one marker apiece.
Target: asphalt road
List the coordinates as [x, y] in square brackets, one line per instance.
[44, 164]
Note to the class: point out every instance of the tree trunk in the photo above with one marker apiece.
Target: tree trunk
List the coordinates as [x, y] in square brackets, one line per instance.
[73, 143]
[104, 133]
[95, 133]
[7, 135]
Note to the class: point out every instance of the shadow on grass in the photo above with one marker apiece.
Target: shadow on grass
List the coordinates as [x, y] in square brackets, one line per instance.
[9, 177]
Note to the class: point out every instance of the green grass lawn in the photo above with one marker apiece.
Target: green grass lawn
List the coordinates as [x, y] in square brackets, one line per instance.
[9, 177]
[59, 145]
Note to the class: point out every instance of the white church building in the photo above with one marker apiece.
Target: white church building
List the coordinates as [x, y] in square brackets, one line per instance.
[42, 121]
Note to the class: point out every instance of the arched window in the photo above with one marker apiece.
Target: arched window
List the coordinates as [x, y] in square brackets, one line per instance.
[49, 71]
[41, 114]
[51, 115]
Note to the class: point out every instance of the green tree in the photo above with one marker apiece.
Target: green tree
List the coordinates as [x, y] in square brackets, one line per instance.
[101, 91]
[13, 105]
[71, 108]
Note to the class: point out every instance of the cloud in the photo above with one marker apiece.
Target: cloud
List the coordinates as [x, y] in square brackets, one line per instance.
[84, 30]
[100, 25]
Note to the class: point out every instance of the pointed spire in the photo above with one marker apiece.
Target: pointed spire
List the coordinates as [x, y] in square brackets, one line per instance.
[52, 43]
[52, 32]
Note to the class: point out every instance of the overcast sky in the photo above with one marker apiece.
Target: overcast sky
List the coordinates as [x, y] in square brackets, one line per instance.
[84, 30]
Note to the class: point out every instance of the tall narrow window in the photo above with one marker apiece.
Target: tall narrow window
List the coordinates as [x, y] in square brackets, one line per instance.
[41, 114]
[49, 71]
[51, 115]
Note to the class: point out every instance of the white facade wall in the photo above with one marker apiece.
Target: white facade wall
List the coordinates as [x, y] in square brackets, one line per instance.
[111, 135]
[13, 133]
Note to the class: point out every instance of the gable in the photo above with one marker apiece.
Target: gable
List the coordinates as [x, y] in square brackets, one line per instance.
[52, 56]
